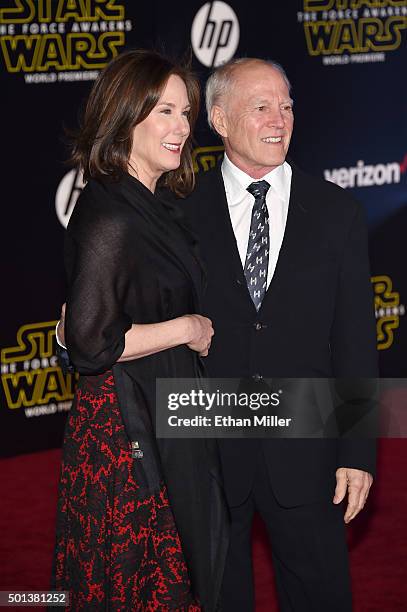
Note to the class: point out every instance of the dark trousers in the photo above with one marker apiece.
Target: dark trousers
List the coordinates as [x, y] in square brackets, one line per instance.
[309, 550]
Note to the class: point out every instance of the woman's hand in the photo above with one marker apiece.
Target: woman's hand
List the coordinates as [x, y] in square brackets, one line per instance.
[60, 331]
[201, 332]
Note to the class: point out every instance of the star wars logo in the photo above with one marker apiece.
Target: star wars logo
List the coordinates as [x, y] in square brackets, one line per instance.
[352, 31]
[205, 158]
[30, 375]
[388, 310]
[48, 40]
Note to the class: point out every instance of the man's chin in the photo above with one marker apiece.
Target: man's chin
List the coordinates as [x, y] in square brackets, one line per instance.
[274, 161]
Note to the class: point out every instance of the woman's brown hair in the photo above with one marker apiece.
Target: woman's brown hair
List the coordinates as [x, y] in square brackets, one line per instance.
[123, 95]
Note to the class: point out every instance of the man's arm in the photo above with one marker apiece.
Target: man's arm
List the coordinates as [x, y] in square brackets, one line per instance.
[354, 355]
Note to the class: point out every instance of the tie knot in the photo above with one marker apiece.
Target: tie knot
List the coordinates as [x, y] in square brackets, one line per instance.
[258, 189]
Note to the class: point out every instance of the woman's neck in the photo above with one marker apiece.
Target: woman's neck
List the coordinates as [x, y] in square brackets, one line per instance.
[145, 178]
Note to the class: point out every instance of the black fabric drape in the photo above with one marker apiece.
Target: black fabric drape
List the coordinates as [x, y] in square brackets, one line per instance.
[130, 258]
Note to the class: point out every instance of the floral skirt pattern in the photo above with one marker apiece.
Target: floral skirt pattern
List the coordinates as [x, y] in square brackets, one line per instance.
[114, 550]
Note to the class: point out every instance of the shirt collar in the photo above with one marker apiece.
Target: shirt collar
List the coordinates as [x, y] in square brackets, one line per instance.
[236, 181]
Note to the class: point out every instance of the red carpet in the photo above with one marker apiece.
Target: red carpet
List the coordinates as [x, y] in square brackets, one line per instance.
[377, 538]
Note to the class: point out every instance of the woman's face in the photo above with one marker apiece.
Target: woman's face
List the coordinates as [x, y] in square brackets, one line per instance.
[159, 139]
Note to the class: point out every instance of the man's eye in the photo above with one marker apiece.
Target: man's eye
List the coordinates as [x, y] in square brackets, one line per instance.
[287, 107]
[261, 108]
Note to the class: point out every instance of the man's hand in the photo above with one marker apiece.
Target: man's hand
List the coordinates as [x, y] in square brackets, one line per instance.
[357, 483]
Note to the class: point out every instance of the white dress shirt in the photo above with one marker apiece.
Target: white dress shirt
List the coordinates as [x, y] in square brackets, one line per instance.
[240, 205]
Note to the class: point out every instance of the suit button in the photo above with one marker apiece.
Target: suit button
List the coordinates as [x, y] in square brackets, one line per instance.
[257, 377]
[258, 326]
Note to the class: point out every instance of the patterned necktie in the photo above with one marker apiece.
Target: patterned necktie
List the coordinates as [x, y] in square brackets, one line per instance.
[257, 256]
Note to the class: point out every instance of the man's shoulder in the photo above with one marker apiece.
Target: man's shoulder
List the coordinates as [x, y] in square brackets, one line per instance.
[323, 196]
[208, 180]
[208, 188]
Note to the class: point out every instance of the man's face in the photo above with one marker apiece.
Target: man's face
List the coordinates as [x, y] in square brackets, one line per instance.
[255, 119]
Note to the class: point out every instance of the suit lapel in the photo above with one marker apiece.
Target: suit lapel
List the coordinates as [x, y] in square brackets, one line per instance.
[218, 240]
[226, 240]
[294, 241]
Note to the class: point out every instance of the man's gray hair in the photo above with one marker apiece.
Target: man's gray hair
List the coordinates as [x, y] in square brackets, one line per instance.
[219, 83]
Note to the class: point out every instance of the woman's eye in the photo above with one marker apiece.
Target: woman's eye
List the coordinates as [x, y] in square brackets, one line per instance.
[166, 111]
[187, 113]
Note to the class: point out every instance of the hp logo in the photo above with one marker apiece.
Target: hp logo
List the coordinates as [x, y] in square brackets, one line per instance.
[215, 33]
[67, 193]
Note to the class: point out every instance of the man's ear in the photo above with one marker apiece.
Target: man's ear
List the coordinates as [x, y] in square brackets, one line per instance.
[218, 118]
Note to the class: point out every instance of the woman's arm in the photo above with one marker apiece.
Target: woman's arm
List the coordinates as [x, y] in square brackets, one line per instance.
[103, 267]
[141, 340]
[193, 330]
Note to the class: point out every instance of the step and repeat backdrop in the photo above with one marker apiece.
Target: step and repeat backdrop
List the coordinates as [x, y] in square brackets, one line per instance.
[346, 60]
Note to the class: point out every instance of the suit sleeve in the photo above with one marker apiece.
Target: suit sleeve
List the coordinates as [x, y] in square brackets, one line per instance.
[99, 281]
[353, 334]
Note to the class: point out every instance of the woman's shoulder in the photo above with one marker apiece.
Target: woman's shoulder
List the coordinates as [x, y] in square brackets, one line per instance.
[101, 194]
[102, 197]
[99, 212]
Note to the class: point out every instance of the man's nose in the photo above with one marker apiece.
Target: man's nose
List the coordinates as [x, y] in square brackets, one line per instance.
[275, 118]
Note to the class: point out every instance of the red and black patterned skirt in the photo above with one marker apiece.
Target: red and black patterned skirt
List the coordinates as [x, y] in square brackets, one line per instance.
[115, 550]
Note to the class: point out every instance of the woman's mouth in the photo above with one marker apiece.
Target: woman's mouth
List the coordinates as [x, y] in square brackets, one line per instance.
[170, 146]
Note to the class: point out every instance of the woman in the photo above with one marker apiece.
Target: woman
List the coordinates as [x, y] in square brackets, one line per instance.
[141, 522]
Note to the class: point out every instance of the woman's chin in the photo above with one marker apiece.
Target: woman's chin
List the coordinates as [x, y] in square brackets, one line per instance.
[172, 166]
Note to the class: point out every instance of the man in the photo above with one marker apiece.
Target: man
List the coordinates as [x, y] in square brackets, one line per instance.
[291, 299]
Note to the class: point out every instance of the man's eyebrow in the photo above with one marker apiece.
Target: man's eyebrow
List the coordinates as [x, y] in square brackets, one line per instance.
[259, 100]
[266, 101]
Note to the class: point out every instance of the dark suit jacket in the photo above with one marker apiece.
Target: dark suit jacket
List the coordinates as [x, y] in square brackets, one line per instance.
[316, 321]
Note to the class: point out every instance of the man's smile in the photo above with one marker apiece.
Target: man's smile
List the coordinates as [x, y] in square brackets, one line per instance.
[272, 139]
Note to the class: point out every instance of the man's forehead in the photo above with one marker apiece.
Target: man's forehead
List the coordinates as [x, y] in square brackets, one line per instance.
[261, 76]
[255, 89]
